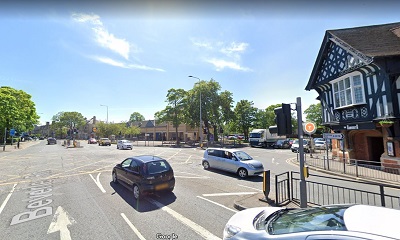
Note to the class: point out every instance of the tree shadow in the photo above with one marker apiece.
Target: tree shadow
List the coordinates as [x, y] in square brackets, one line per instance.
[258, 178]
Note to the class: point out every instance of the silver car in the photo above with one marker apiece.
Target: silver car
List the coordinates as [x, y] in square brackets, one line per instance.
[124, 144]
[230, 160]
[339, 222]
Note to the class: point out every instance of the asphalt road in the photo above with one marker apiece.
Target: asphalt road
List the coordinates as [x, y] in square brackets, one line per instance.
[51, 192]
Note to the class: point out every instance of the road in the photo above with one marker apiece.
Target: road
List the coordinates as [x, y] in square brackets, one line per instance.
[51, 192]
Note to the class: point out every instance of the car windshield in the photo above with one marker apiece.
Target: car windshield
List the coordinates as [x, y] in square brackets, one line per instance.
[255, 135]
[242, 156]
[157, 167]
[309, 219]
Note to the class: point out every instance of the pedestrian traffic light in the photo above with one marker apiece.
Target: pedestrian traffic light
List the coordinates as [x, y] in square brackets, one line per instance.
[283, 119]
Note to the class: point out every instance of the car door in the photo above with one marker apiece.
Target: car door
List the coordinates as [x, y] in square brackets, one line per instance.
[133, 173]
[229, 162]
[122, 172]
[214, 158]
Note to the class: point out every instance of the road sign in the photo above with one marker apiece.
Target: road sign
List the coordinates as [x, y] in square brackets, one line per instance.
[333, 135]
[309, 127]
[12, 132]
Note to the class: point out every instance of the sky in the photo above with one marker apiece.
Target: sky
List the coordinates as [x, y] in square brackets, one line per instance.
[121, 57]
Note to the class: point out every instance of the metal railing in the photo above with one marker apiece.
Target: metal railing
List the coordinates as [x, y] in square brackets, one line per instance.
[357, 168]
[320, 193]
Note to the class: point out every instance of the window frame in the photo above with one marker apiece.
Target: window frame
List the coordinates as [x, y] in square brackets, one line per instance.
[342, 91]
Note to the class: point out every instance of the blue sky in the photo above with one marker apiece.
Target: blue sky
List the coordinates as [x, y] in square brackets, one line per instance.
[76, 57]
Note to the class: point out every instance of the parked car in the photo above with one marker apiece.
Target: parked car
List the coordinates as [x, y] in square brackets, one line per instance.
[124, 144]
[337, 222]
[51, 140]
[144, 174]
[104, 142]
[283, 144]
[231, 160]
[320, 145]
[92, 141]
[295, 146]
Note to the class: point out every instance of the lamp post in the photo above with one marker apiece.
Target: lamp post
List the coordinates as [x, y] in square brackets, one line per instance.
[201, 135]
[107, 110]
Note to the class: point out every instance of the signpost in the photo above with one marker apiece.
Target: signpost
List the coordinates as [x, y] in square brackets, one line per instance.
[333, 136]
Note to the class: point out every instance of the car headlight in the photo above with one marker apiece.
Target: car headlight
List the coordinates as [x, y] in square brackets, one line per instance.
[230, 231]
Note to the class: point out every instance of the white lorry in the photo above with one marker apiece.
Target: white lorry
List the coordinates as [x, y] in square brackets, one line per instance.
[263, 138]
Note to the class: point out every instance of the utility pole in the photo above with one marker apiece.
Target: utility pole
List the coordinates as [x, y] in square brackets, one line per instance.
[303, 186]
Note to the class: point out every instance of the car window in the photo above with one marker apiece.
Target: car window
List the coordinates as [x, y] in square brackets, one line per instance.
[126, 163]
[311, 219]
[157, 167]
[242, 156]
[134, 166]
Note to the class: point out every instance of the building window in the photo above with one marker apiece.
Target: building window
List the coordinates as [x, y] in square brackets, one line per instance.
[348, 91]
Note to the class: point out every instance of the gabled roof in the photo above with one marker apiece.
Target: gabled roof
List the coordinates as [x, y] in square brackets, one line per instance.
[364, 43]
[373, 41]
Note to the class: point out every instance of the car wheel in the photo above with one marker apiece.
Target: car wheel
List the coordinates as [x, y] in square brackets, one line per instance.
[114, 177]
[117, 147]
[242, 172]
[136, 192]
[206, 165]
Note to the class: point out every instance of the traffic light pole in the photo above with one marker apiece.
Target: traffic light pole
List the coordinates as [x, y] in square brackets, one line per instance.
[303, 186]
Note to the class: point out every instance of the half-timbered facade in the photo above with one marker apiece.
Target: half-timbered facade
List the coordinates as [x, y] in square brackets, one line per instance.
[357, 77]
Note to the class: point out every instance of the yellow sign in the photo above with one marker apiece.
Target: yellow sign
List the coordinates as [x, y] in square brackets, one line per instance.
[309, 128]
[94, 129]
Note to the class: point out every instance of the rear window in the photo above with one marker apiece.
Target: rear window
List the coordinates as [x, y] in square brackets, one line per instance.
[157, 167]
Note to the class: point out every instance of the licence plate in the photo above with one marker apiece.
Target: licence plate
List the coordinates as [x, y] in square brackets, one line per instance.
[161, 186]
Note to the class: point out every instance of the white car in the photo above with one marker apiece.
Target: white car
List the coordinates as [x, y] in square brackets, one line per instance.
[339, 222]
[232, 160]
[321, 145]
[124, 144]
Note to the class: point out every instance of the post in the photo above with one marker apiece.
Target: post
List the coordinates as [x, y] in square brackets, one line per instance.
[303, 186]
[266, 183]
[5, 137]
[344, 157]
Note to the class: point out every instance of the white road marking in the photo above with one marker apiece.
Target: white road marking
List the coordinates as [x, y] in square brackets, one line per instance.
[194, 226]
[174, 154]
[60, 222]
[227, 194]
[188, 158]
[3, 205]
[250, 187]
[218, 204]
[189, 177]
[134, 229]
[97, 181]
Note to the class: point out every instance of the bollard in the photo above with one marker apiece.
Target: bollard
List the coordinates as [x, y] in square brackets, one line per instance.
[266, 183]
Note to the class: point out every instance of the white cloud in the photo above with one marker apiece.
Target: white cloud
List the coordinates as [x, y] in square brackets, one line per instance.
[102, 36]
[221, 64]
[114, 63]
[219, 49]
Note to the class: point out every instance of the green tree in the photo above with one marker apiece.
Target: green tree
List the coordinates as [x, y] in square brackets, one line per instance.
[136, 117]
[17, 110]
[245, 116]
[314, 114]
[68, 120]
[174, 111]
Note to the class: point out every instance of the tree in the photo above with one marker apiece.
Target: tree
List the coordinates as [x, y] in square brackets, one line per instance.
[68, 120]
[245, 116]
[17, 110]
[174, 112]
[314, 114]
[136, 117]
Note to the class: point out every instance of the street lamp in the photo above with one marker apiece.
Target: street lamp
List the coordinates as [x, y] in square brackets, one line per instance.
[200, 132]
[107, 110]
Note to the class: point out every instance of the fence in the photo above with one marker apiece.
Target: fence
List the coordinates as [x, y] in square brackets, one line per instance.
[357, 168]
[287, 189]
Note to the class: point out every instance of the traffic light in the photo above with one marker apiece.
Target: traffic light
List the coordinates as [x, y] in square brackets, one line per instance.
[205, 130]
[221, 130]
[283, 119]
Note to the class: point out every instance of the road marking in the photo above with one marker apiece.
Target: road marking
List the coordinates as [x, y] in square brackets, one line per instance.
[250, 187]
[218, 204]
[188, 158]
[97, 181]
[228, 194]
[134, 229]
[3, 205]
[60, 222]
[194, 226]
[174, 154]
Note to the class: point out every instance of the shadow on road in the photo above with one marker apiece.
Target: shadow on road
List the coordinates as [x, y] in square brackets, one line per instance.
[143, 205]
